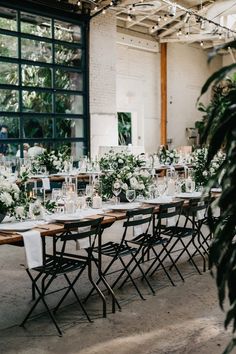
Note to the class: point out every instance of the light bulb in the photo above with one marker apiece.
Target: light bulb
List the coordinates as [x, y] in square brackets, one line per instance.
[79, 3]
[129, 18]
[96, 8]
[201, 43]
[103, 11]
[165, 17]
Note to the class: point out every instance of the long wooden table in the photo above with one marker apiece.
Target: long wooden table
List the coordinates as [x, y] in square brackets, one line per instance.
[55, 228]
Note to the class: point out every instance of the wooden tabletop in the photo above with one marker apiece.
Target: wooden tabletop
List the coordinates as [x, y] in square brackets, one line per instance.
[53, 229]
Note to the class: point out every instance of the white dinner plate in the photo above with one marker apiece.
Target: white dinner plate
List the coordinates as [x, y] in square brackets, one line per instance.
[163, 200]
[18, 226]
[216, 190]
[124, 206]
[66, 217]
[189, 195]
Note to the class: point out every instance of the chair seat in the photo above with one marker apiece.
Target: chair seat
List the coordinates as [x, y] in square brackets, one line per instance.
[66, 265]
[177, 231]
[110, 249]
[148, 240]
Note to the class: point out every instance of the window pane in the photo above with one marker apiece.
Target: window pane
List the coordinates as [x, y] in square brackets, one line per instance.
[36, 76]
[67, 32]
[69, 80]
[8, 46]
[9, 100]
[40, 102]
[8, 73]
[70, 128]
[36, 25]
[67, 55]
[36, 50]
[76, 149]
[8, 19]
[70, 104]
[37, 127]
[12, 124]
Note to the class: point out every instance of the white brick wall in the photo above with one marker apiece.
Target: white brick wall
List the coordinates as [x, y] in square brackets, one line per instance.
[103, 64]
[103, 120]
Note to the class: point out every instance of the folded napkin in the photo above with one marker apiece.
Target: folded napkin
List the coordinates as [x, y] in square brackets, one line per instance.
[139, 229]
[33, 248]
[85, 242]
[46, 183]
[172, 220]
[201, 213]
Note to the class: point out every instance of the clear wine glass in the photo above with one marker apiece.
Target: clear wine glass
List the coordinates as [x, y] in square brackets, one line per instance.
[130, 195]
[161, 187]
[116, 190]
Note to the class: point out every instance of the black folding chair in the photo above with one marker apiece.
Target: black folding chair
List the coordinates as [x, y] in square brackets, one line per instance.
[197, 215]
[174, 237]
[119, 251]
[62, 263]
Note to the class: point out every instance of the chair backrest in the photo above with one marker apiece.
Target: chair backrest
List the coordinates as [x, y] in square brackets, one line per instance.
[196, 206]
[81, 229]
[137, 218]
[169, 210]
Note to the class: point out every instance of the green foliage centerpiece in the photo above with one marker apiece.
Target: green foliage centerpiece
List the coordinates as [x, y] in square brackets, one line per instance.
[124, 168]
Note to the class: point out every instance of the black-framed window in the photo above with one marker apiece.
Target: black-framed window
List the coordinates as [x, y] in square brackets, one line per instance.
[43, 80]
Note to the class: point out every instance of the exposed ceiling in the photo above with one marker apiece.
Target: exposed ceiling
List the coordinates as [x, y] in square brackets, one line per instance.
[160, 19]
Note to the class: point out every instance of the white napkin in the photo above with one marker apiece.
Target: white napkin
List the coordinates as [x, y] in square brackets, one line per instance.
[138, 229]
[216, 212]
[201, 213]
[33, 248]
[172, 220]
[85, 242]
[46, 183]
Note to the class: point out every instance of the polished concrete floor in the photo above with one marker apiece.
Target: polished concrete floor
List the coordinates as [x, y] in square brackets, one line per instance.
[178, 320]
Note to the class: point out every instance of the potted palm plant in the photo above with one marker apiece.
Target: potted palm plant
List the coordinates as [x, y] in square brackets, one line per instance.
[220, 130]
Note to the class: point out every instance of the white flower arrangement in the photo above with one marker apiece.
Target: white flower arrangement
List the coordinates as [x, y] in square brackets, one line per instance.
[201, 173]
[124, 169]
[9, 197]
[168, 157]
[55, 161]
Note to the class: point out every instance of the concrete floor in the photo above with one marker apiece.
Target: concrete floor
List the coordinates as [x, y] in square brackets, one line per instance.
[177, 320]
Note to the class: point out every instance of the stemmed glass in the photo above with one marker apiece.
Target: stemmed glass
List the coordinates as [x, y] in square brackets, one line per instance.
[161, 187]
[116, 190]
[130, 195]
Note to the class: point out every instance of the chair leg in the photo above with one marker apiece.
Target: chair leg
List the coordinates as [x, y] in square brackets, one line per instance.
[143, 274]
[129, 275]
[41, 297]
[66, 293]
[98, 281]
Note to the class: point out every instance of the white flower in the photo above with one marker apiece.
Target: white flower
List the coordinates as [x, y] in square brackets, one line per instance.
[205, 173]
[124, 186]
[19, 211]
[133, 182]
[120, 161]
[6, 199]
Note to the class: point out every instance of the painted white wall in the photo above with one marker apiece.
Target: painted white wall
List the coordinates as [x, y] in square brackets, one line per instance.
[138, 93]
[127, 79]
[187, 72]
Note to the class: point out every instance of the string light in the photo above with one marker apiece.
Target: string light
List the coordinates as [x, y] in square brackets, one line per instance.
[179, 33]
[165, 17]
[79, 3]
[129, 18]
[96, 8]
[201, 43]
[104, 11]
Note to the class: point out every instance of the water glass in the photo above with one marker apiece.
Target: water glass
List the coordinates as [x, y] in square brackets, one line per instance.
[130, 195]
